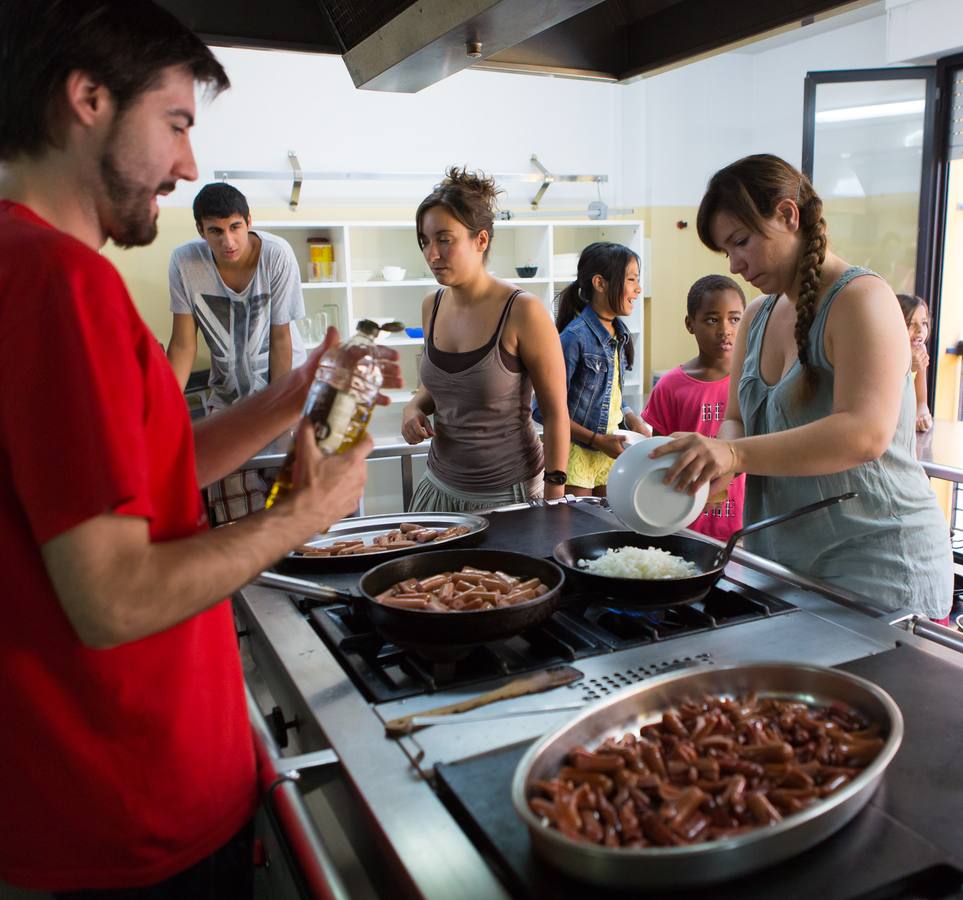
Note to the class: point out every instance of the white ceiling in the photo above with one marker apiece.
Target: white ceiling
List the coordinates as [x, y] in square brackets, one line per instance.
[840, 20]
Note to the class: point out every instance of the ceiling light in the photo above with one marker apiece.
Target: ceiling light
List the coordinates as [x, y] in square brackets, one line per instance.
[871, 111]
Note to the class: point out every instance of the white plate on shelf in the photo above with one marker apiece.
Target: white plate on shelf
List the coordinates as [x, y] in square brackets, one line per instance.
[639, 498]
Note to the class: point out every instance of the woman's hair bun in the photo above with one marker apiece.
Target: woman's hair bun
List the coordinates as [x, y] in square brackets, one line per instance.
[474, 181]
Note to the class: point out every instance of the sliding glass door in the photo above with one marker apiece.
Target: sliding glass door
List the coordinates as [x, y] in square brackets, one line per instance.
[868, 147]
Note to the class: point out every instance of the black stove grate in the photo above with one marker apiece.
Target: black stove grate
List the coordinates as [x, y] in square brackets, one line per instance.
[584, 626]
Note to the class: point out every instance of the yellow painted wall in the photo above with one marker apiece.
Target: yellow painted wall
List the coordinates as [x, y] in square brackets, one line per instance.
[678, 259]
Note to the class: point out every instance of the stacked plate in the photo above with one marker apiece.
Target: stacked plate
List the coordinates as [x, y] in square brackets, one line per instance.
[565, 265]
[639, 497]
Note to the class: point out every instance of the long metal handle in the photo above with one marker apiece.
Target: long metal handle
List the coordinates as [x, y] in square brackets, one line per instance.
[301, 586]
[940, 634]
[779, 519]
[314, 862]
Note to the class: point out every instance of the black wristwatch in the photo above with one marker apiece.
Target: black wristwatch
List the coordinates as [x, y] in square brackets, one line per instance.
[556, 477]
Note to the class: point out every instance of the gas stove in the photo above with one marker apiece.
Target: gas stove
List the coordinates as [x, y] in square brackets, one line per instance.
[434, 804]
[584, 626]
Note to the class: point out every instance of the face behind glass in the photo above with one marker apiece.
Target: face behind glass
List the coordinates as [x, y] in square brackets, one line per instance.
[716, 323]
[452, 253]
[919, 325]
[146, 152]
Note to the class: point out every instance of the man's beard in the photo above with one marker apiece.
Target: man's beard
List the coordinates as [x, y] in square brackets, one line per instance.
[133, 224]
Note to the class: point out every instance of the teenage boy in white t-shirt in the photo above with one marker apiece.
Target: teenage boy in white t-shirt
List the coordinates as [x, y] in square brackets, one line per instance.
[242, 288]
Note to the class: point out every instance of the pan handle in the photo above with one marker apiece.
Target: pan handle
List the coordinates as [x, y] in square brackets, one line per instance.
[722, 557]
[302, 586]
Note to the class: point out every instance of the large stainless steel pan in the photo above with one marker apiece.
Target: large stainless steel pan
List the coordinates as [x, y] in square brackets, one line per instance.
[367, 528]
[662, 867]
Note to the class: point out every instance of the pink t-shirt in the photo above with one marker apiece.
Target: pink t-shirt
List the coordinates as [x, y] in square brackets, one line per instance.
[679, 402]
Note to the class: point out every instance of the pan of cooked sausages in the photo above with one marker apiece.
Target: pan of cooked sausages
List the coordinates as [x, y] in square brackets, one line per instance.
[696, 777]
[447, 599]
[361, 542]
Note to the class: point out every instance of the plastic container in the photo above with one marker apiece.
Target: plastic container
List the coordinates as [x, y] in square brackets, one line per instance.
[340, 400]
[320, 259]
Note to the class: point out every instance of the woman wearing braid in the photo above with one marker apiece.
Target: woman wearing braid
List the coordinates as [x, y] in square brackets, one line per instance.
[821, 401]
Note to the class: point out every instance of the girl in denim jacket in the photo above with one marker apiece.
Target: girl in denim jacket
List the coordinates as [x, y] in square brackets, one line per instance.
[598, 350]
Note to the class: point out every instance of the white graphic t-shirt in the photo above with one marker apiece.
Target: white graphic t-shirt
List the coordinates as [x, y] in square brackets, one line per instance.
[237, 325]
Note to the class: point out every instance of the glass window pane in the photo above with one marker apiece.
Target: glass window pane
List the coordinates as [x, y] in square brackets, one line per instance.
[867, 159]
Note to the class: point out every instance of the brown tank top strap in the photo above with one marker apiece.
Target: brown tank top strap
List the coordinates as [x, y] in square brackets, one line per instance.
[434, 313]
[505, 313]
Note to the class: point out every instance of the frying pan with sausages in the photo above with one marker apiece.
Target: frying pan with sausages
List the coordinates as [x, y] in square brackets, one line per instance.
[450, 634]
[710, 561]
[441, 635]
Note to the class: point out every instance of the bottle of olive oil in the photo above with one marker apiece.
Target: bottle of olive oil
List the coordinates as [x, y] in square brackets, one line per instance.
[340, 400]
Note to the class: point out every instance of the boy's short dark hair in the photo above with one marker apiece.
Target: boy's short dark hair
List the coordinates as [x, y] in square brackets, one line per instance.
[124, 44]
[709, 284]
[218, 201]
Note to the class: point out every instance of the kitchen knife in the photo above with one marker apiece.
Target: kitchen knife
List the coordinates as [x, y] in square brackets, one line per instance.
[528, 684]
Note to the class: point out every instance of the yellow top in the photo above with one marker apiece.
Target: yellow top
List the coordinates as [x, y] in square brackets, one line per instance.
[590, 468]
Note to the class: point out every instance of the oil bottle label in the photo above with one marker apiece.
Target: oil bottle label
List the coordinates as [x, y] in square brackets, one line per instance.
[339, 420]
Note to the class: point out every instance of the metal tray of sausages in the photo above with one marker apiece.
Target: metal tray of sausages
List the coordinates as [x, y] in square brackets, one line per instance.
[367, 528]
[725, 858]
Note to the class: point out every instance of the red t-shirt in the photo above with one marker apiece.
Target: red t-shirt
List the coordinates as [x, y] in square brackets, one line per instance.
[679, 402]
[120, 767]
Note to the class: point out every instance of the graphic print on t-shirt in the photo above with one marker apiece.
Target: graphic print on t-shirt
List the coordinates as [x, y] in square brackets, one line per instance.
[712, 412]
[238, 333]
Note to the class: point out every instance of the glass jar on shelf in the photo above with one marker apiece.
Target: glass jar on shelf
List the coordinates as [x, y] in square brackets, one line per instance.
[320, 260]
[332, 314]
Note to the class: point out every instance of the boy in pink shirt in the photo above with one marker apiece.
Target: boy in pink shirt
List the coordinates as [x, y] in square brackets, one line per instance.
[692, 397]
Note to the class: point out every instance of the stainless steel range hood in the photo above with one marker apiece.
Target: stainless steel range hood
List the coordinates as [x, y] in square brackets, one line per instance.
[429, 41]
[406, 45]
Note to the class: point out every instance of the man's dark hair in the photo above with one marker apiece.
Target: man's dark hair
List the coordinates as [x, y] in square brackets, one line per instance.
[218, 201]
[709, 284]
[124, 44]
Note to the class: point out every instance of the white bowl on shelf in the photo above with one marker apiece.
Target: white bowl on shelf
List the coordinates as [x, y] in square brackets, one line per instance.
[393, 273]
[639, 498]
[361, 274]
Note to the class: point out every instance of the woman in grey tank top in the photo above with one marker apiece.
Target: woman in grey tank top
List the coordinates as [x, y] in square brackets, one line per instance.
[821, 401]
[488, 345]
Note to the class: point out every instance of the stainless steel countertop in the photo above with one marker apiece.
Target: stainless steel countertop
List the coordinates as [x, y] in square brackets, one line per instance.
[940, 450]
[421, 843]
[388, 447]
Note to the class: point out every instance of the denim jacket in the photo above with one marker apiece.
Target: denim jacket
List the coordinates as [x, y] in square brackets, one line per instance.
[589, 369]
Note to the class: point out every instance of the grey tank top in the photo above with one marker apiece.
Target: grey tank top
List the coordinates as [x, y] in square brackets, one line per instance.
[891, 544]
[485, 439]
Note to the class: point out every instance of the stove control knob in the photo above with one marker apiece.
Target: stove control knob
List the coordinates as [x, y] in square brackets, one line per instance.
[280, 727]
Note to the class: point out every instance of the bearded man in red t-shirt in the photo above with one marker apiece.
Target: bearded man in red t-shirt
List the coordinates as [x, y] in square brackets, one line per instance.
[126, 761]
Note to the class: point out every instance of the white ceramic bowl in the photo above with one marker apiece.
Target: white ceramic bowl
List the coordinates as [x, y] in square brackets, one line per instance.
[393, 273]
[639, 498]
[361, 274]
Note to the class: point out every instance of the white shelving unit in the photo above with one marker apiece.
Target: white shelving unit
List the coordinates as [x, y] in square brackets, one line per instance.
[362, 248]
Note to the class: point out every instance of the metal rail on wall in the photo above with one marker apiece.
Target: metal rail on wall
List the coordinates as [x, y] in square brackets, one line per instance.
[299, 176]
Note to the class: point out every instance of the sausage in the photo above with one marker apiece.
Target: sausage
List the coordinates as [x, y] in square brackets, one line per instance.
[595, 762]
[465, 591]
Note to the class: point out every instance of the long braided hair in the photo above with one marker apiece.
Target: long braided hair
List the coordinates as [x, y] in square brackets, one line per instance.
[750, 189]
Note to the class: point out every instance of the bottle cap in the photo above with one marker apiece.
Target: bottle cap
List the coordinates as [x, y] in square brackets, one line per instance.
[366, 326]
